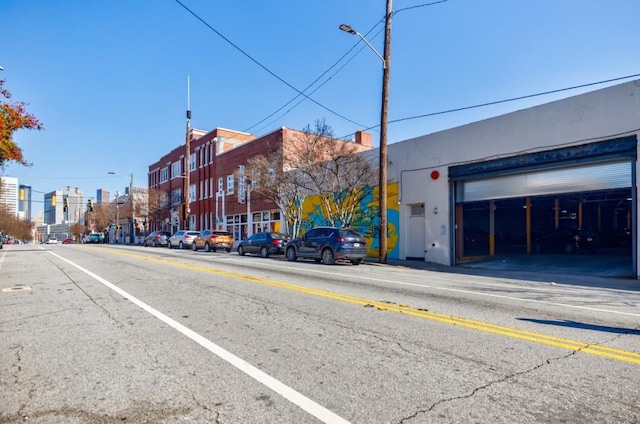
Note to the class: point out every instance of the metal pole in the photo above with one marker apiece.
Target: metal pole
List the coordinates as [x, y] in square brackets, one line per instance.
[117, 218]
[187, 161]
[382, 189]
[132, 234]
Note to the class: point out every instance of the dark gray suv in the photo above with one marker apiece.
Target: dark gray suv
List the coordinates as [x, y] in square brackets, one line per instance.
[157, 238]
[328, 245]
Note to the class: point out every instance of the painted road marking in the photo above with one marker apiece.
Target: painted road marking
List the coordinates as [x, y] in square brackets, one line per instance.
[593, 349]
[306, 404]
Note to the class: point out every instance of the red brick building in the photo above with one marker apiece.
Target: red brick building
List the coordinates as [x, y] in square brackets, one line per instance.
[217, 199]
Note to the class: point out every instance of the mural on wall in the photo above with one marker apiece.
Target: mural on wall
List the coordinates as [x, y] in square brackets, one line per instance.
[367, 221]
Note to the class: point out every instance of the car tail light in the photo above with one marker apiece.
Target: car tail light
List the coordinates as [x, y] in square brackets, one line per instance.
[276, 242]
[341, 239]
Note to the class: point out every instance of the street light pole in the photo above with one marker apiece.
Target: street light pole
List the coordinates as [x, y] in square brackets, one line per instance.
[382, 181]
[187, 156]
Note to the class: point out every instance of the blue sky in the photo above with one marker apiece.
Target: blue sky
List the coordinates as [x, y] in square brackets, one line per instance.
[109, 79]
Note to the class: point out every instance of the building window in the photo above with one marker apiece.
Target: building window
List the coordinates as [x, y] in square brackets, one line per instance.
[176, 169]
[192, 193]
[192, 162]
[230, 183]
[164, 175]
[176, 196]
[220, 186]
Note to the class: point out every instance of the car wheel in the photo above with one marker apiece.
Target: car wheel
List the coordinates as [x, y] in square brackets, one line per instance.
[291, 254]
[264, 252]
[207, 248]
[194, 247]
[228, 250]
[180, 246]
[356, 261]
[327, 257]
[240, 251]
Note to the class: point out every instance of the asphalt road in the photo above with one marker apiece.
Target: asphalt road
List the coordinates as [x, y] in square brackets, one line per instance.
[113, 334]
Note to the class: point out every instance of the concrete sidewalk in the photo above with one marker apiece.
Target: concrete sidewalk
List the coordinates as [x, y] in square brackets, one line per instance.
[600, 272]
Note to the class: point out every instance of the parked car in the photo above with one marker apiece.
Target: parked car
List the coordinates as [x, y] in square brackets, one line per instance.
[212, 240]
[67, 241]
[52, 240]
[93, 238]
[182, 239]
[264, 244]
[157, 238]
[328, 245]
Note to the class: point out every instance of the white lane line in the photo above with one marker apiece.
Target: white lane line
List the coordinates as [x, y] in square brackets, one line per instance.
[306, 404]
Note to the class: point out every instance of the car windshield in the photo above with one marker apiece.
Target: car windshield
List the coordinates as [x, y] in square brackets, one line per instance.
[350, 233]
[279, 236]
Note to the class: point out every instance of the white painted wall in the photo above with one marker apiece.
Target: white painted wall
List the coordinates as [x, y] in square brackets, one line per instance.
[598, 115]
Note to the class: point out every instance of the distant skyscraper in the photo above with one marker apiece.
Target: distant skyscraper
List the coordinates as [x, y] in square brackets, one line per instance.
[102, 197]
[24, 201]
[9, 194]
[73, 205]
[54, 207]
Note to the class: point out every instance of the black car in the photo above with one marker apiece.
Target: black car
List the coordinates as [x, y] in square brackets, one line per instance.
[328, 245]
[264, 244]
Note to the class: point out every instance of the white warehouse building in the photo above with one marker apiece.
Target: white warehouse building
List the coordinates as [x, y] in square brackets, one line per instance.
[559, 178]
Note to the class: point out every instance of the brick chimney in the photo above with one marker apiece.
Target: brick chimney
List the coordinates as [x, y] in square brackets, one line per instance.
[363, 138]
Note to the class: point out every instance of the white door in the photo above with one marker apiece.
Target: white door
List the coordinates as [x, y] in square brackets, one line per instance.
[416, 232]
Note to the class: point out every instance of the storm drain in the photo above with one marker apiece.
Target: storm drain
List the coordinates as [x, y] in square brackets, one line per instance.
[19, 287]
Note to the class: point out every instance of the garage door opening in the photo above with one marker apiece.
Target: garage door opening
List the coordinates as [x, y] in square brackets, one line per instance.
[577, 228]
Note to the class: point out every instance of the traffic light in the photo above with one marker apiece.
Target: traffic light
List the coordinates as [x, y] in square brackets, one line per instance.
[90, 206]
[66, 203]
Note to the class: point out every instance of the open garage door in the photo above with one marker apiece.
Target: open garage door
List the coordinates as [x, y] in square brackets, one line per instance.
[583, 208]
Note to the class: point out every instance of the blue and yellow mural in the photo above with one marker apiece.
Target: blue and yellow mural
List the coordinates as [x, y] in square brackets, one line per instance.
[367, 221]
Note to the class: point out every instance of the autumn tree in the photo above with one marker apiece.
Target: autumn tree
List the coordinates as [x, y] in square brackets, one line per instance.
[157, 208]
[315, 163]
[270, 177]
[335, 170]
[13, 117]
[12, 226]
[77, 230]
[102, 216]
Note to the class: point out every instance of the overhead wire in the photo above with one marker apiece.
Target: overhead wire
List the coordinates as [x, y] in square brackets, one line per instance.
[263, 66]
[332, 66]
[512, 99]
[322, 84]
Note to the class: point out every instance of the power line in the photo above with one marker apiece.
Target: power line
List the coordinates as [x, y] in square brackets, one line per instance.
[528, 96]
[261, 65]
[323, 83]
[366, 35]
[418, 6]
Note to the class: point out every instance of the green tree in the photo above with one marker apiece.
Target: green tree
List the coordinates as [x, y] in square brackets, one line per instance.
[13, 117]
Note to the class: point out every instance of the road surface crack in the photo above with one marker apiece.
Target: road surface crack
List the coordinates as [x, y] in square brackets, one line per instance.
[484, 386]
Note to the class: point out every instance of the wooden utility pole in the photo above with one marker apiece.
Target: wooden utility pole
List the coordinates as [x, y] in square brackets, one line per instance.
[382, 189]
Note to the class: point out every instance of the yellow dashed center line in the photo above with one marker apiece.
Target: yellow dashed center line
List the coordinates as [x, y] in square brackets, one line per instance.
[594, 349]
